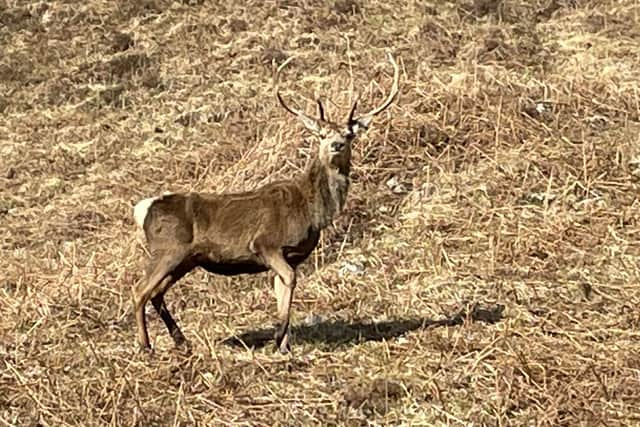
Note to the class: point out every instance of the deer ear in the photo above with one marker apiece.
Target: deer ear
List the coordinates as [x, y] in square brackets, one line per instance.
[312, 125]
[360, 125]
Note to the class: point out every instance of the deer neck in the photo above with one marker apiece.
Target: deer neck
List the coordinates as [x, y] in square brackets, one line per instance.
[328, 187]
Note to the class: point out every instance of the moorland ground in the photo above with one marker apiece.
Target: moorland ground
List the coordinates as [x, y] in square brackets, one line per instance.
[485, 269]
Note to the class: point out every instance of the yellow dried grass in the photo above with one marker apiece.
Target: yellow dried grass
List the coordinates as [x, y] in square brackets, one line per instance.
[500, 282]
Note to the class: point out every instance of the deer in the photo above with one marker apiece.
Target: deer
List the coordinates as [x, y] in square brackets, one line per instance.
[271, 228]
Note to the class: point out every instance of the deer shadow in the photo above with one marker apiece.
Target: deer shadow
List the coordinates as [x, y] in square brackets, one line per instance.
[340, 332]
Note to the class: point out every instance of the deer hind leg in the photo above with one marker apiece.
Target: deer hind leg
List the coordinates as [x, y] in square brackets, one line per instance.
[170, 323]
[162, 273]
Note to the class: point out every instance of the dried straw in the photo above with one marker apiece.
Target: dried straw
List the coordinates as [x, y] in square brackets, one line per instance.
[485, 271]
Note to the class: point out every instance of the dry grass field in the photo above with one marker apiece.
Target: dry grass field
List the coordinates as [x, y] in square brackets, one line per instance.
[484, 272]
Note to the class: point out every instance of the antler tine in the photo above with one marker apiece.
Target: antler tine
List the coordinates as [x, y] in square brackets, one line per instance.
[279, 96]
[321, 109]
[353, 109]
[392, 95]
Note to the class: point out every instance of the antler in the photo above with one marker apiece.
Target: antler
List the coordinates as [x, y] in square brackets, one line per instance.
[386, 103]
[363, 119]
[284, 104]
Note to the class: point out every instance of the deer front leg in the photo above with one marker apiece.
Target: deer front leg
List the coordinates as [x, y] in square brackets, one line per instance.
[284, 296]
[284, 283]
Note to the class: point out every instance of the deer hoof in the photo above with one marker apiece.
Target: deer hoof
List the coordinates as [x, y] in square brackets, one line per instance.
[285, 349]
[145, 350]
[184, 347]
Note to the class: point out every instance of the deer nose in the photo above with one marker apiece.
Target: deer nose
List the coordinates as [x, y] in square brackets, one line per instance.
[337, 146]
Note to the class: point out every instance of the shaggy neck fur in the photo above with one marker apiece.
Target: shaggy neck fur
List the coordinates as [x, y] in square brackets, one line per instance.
[328, 187]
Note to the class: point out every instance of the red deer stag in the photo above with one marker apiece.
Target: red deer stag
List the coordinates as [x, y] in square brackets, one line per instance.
[274, 227]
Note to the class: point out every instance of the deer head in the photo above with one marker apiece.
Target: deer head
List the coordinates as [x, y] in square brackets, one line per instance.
[335, 139]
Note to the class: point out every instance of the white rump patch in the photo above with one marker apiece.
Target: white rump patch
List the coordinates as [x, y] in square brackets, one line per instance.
[141, 209]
